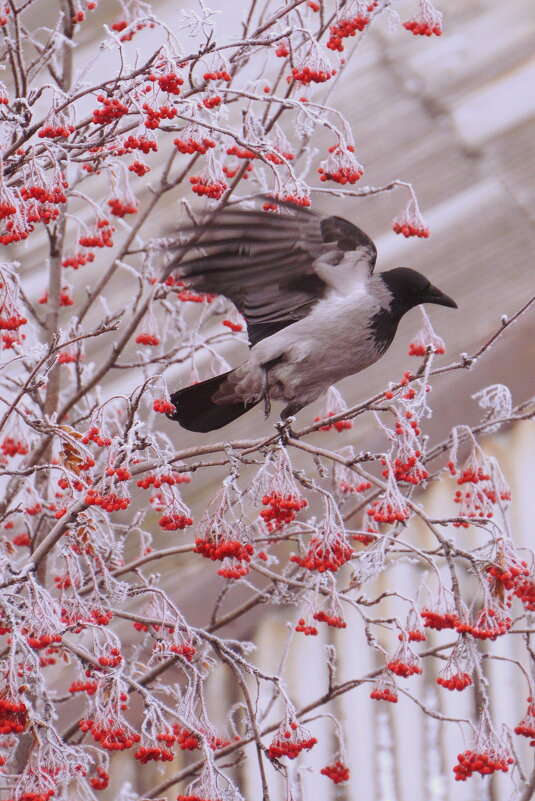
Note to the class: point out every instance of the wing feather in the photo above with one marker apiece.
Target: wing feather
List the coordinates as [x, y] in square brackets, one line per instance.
[276, 267]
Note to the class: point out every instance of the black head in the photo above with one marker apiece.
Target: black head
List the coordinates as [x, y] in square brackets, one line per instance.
[410, 288]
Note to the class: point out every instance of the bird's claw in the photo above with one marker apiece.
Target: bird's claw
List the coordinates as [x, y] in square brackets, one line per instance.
[285, 430]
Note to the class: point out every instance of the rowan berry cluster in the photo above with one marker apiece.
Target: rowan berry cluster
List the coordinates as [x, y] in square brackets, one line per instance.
[339, 425]
[110, 736]
[290, 740]
[526, 727]
[235, 327]
[77, 260]
[148, 339]
[348, 26]
[325, 554]
[385, 690]
[194, 145]
[110, 502]
[454, 681]
[224, 549]
[282, 509]
[385, 510]
[337, 772]
[306, 75]
[217, 75]
[154, 116]
[170, 83]
[100, 238]
[423, 28]
[163, 406]
[139, 143]
[305, 628]
[55, 131]
[153, 754]
[205, 186]
[89, 687]
[156, 481]
[120, 208]
[439, 620]
[481, 761]
[101, 780]
[174, 522]
[93, 435]
[111, 109]
[113, 660]
[335, 621]
[13, 715]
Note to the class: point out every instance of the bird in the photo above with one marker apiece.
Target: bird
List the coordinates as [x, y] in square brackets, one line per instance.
[314, 309]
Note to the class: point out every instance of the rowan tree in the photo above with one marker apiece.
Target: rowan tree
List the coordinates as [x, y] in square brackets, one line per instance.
[96, 657]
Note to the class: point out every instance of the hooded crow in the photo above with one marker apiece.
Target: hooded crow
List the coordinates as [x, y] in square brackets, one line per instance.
[315, 312]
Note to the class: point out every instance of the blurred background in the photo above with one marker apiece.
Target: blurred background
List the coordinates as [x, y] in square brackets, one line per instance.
[454, 116]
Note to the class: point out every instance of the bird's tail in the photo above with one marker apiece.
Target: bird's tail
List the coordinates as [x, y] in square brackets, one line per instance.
[197, 411]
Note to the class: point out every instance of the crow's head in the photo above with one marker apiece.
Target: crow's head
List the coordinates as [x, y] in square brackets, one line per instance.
[410, 288]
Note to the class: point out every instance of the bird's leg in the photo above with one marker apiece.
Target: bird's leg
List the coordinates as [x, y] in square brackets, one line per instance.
[265, 393]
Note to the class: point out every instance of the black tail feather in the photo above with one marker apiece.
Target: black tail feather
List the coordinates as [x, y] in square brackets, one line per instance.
[196, 411]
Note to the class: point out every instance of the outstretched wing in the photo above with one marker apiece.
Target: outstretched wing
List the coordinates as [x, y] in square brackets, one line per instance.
[275, 267]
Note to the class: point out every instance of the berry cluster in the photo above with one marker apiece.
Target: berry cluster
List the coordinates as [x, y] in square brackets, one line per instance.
[110, 502]
[340, 425]
[110, 737]
[194, 145]
[346, 27]
[335, 621]
[101, 780]
[170, 83]
[218, 75]
[235, 327]
[11, 447]
[121, 473]
[324, 554]
[489, 624]
[526, 727]
[384, 510]
[418, 348]
[89, 687]
[410, 223]
[209, 187]
[55, 131]
[174, 522]
[282, 509]
[307, 75]
[347, 486]
[423, 28]
[140, 168]
[43, 640]
[165, 478]
[79, 259]
[306, 629]
[119, 208]
[113, 660]
[485, 762]
[156, 115]
[223, 549]
[153, 754]
[337, 772]
[439, 620]
[111, 109]
[148, 339]
[454, 681]
[384, 692]
[409, 470]
[100, 238]
[525, 591]
[138, 143]
[13, 715]
[163, 406]
[93, 435]
[290, 740]
[185, 739]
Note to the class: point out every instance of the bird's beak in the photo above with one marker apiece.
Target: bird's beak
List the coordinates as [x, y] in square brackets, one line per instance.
[435, 295]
